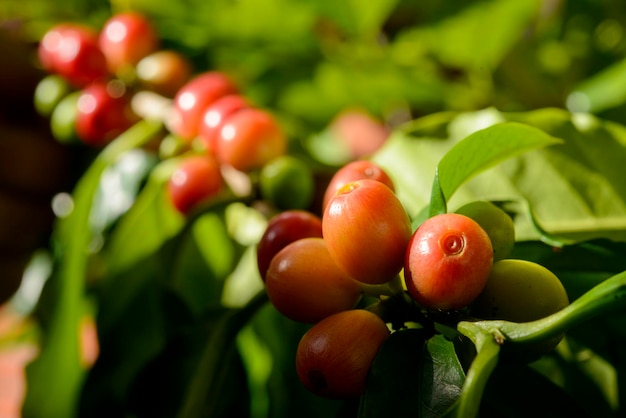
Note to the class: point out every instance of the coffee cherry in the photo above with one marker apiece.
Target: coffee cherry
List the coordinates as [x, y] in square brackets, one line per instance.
[359, 131]
[72, 51]
[249, 139]
[215, 116]
[447, 262]
[496, 223]
[334, 356]
[283, 229]
[125, 39]
[306, 285]
[49, 92]
[104, 112]
[196, 180]
[287, 182]
[520, 291]
[356, 170]
[63, 119]
[164, 72]
[367, 230]
[194, 97]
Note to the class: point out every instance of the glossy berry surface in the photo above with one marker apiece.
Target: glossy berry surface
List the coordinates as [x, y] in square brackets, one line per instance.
[287, 182]
[104, 112]
[215, 116]
[283, 229]
[249, 139]
[305, 284]
[125, 39]
[164, 72]
[367, 230]
[520, 291]
[356, 170]
[448, 262]
[194, 97]
[72, 51]
[196, 180]
[496, 222]
[334, 356]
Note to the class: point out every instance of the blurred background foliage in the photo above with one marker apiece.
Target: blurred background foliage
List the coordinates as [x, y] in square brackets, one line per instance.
[397, 58]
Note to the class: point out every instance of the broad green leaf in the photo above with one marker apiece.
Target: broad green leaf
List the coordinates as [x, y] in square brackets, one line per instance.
[486, 148]
[604, 90]
[151, 216]
[131, 333]
[574, 188]
[442, 377]
[461, 41]
[54, 378]
[204, 395]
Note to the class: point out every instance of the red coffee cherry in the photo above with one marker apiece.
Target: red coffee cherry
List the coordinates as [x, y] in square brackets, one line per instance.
[194, 97]
[215, 116]
[250, 138]
[164, 72]
[334, 356]
[104, 112]
[125, 39]
[359, 131]
[283, 229]
[72, 51]
[306, 285]
[356, 170]
[367, 230]
[196, 180]
[447, 262]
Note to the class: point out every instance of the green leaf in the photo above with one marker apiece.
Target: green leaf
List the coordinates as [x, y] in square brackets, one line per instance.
[486, 148]
[152, 217]
[461, 41]
[604, 90]
[54, 378]
[204, 393]
[442, 377]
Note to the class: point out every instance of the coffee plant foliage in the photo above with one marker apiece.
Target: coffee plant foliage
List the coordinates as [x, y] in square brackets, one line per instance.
[527, 111]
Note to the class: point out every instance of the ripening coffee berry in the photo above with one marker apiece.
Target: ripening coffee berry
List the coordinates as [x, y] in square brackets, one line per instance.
[215, 116]
[164, 72]
[447, 262]
[360, 132]
[49, 92]
[283, 229]
[72, 51]
[104, 112]
[125, 39]
[249, 139]
[63, 119]
[334, 356]
[196, 180]
[193, 98]
[367, 230]
[496, 223]
[287, 182]
[520, 291]
[356, 170]
[306, 285]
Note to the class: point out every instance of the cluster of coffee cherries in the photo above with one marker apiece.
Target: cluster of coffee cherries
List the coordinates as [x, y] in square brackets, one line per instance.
[100, 83]
[325, 270]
